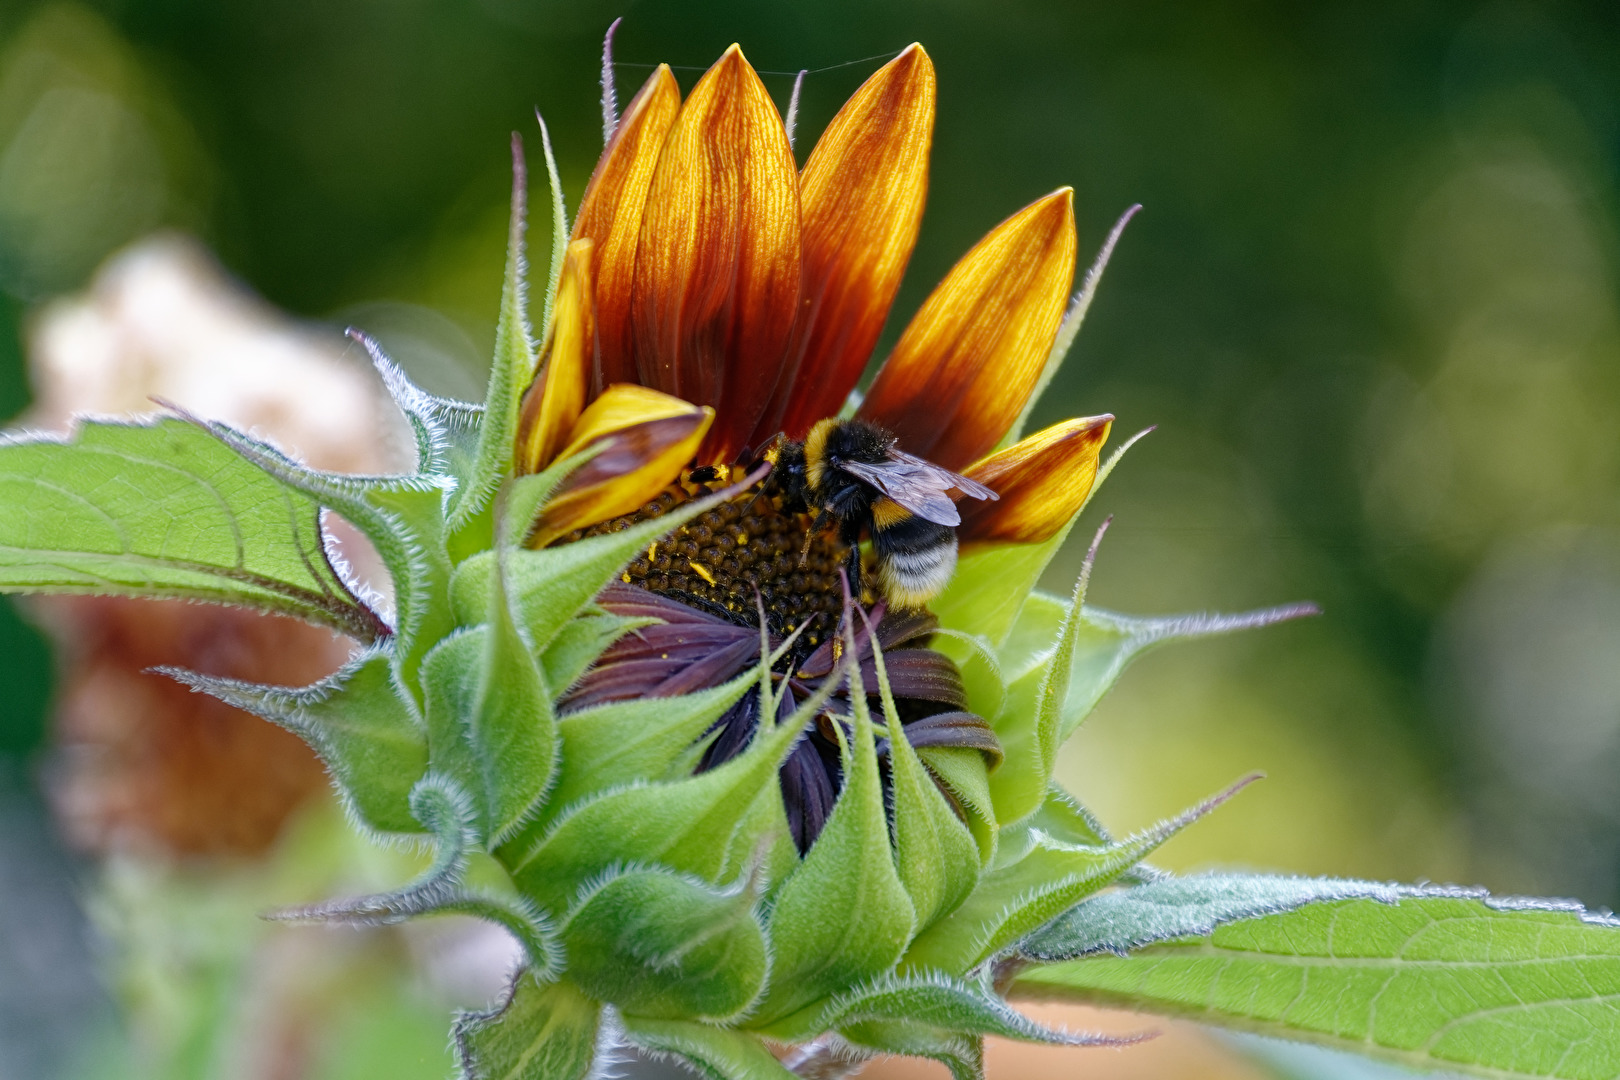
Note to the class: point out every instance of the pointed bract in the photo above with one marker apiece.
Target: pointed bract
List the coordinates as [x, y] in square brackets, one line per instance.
[610, 214]
[717, 270]
[973, 353]
[862, 193]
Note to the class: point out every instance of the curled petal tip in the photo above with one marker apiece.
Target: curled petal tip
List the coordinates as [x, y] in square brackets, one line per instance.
[1043, 482]
[645, 437]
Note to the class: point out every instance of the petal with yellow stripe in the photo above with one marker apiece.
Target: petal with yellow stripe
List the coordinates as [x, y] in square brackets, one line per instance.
[554, 400]
[717, 268]
[610, 213]
[970, 358]
[1043, 482]
[645, 439]
[862, 193]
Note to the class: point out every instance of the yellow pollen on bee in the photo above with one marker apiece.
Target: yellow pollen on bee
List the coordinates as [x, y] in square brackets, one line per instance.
[886, 513]
[702, 571]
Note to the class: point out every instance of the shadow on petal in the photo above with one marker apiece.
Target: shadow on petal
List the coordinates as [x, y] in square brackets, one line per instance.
[862, 193]
[716, 281]
[610, 213]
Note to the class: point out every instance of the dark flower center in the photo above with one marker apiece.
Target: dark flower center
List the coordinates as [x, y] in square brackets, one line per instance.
[718, 560]
[697, 588]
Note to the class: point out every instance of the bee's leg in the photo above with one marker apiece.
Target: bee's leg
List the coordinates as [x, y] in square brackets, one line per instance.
[810, 535]
[850, 534]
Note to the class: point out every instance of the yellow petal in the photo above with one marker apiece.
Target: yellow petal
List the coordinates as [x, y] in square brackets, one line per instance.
[610, 213]
[647, 438]
[862, 193]
[1043, 481]
[553, 401]
[972, 355]
[717, 269]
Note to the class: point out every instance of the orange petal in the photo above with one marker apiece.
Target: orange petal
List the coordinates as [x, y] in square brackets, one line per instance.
[553, 401]
[973, 353]
[862, 191]
[610, 214]
[717, 269]
[646, 439]
[1043, 482]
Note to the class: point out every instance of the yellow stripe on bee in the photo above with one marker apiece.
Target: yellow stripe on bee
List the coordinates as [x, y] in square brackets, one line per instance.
[886, 513]
[815, 453]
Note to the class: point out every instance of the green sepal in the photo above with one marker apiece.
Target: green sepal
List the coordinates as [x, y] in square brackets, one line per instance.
[944, 1004]
[993, 581]
[962, 1054]
[660, 944]
[360, 723]
[1063, 817]
[552, 585]
[1015, 898]
[447, 812]
[540, 1032]
[97, 516]
[446, 430]
[577, 645]
[843, 916]
[490, 722]
[471, 519]
[712, 1052]
[1107, 643]
[935, 853]
[688, 825]
[962, 771]
[983, 678]
[612, 745]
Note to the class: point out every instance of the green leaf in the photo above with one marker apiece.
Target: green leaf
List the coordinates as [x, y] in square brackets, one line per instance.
[1031, 886]
[363, 727]
[161, 509]
[658, 944]
[538, 1033]
[713, 1052]
[1442, 979]
[935, 853]
[1180, 907]
[844, 916]
[402, 516]
[471, 518]
[1063, 818]
[687, 825]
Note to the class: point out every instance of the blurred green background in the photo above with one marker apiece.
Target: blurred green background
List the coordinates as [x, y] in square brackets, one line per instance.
[1371, 305]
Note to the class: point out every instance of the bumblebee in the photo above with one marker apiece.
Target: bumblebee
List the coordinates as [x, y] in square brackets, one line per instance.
[851, 473]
